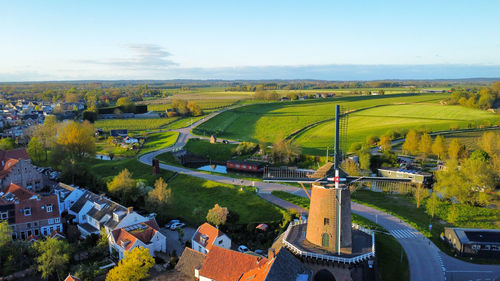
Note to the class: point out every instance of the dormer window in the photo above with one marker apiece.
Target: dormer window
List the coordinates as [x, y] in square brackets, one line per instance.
[4, 215]
[27, 212]
[49, 208]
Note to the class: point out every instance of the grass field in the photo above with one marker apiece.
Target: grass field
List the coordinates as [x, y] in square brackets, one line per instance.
[377, 121]
[133, 124]
[391, 258]
[157, 141]
[214, 151]
[273, 120]
[192, 197]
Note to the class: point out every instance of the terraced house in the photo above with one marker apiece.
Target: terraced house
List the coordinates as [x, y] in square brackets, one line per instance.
[16, 168]
[28, 213]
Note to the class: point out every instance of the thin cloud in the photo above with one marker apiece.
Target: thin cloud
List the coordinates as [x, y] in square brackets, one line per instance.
[143, 57]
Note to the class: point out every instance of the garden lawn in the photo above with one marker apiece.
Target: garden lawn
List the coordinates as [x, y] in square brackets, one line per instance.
[193, 197]
[277, 120]
[379, 120]
[214, 151]
[156, 141]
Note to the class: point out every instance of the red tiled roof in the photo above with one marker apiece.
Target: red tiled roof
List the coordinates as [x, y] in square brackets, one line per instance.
[259, 273]
[7, 168]
[32, 238]
[19, 192]
[56, 233]
[227, 265]
[20, 153]
[211, 232]
[37, 213]
[144, 234]
[71, 278]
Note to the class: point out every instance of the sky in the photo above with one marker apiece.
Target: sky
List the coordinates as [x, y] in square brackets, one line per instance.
[330, 40]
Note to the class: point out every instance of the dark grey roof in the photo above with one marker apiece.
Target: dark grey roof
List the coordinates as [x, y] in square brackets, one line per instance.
[287, 267]
[88, 227]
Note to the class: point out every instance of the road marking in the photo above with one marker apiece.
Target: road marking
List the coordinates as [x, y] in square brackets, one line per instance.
[471, 271]
[402, 233]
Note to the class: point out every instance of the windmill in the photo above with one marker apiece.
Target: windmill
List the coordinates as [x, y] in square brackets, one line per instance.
[330, 208]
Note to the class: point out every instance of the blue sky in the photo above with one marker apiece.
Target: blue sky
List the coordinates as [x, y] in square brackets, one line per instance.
[335, 40]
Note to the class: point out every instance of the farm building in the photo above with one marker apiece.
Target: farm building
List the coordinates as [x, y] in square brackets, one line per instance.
[415, 176]
[246, 166]
[474, 242]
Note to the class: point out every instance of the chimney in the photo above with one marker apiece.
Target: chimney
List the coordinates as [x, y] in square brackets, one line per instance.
[130, 210]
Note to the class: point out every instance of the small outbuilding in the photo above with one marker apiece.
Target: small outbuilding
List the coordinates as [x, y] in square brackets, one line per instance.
[474, 242]
[213, 139]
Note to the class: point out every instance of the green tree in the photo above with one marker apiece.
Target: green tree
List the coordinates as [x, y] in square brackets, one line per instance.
[36, 150]
[410, 146]
[285, 151]
[54, 256]
[456, 150]
[364, 160]
[438, 147]
[158, 197]
[133, 267]
[5, 233]
[180, 106]
[425, 145]
[77, 139]
[123, 186]
[217, 215]
[6, 144]
[420, 193]
[385, 143]
[350, 167]
[432, 204]
[490, 142]
[126, 104]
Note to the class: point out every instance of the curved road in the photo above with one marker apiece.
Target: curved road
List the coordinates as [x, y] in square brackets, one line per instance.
[426, 261]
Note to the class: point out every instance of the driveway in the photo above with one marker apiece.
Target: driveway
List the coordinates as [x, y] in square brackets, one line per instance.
[173, 242]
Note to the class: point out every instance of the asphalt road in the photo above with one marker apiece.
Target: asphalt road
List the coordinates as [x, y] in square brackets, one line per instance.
[426, 261]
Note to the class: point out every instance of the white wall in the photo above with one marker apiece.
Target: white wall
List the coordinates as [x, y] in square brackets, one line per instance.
[224, 241]
[130, 219]
[72, 197]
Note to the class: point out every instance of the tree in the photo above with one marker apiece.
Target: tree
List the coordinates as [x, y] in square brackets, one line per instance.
[123, 186]
[425, 145]
[36, 150]
[365, 160]
[133, 267]
[438, 147]
[496, 88]
[217, 215]
[285, 151]
[410, 146]
[77, 139]
[456, 150]
[350, 167]
[194, 109]
[420, 193]
[126, 104]
[490, 142]
[160, 195]
[6, 144]
[371, 140]
[385, 143]
[180, 106]
[5, 233]
[54, 256]
[432, 204]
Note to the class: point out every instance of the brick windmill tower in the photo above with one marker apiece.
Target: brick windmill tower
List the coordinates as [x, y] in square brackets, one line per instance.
[328, 240]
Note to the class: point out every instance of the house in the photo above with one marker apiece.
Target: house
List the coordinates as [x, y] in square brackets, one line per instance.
[415, 176]
[21, 172]
[93, 212]
[213, 139]
[29, 213]
[206, 236]
[187, 268]
[130, 140]
[67, 195]
[474, 242]
[145, 234]
[71, 278]
[280, 266]
[222, 264]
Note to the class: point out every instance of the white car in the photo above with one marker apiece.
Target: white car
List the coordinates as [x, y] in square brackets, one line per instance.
[168, 225]
[176, 225]
[243, 249]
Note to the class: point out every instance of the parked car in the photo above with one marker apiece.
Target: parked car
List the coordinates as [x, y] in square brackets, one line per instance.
[260, 252]
[169, 224]
[243, 249]
[176, 225]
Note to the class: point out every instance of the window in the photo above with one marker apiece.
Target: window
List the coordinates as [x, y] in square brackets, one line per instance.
[37, 232]
[58, 220]
[326, 221]
[49, 208]
[27, 212]
[28, 225]
[35, 223]
[220, 241]
[4, 215]
[51, 221]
